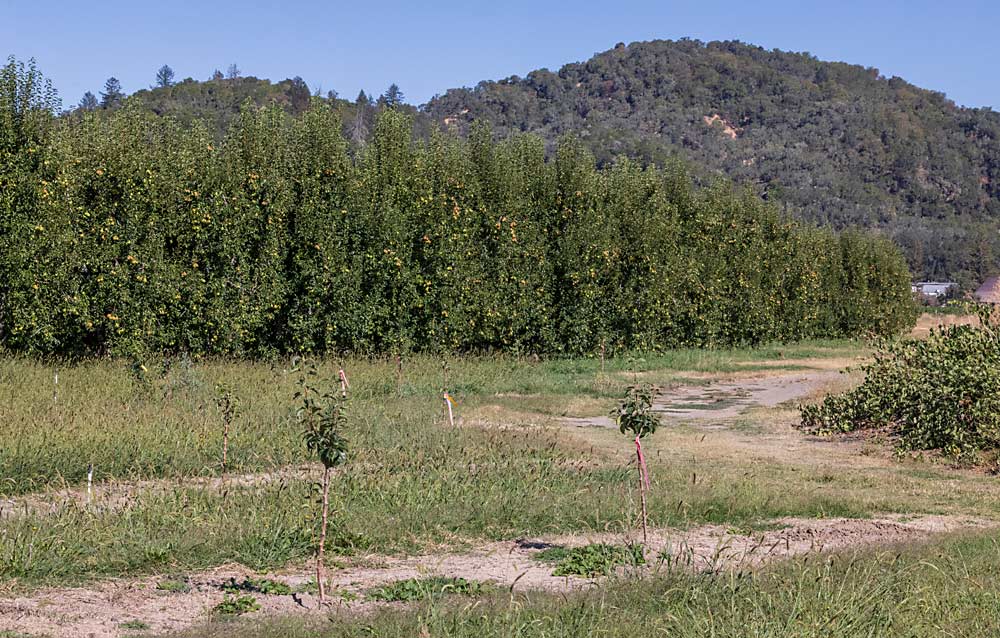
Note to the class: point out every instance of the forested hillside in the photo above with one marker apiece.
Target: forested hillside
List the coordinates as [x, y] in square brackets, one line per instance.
[832, 143]
[126, 232]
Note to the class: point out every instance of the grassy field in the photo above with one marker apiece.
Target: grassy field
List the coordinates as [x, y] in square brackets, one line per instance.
[413, 484]
[161, 503]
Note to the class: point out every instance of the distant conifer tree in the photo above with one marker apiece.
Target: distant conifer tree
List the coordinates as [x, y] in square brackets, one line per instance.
[164, 76]
[392, 97]
[112, 95]
[88, 102]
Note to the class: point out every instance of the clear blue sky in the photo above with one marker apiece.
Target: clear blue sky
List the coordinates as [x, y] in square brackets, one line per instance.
[429, 47]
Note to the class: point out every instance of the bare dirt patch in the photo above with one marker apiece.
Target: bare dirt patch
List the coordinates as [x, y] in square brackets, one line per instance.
[100, 611]
[927, 321]
[727, 399]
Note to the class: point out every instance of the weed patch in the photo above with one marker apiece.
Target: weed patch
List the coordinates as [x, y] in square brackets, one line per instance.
[413, 589]
[236, 605]
[591, 561]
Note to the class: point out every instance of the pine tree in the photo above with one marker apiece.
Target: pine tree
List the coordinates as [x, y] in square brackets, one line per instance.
[164, 76]
[88, 102]
[217, 75]
[112, 95]
[233, 71]
[392, 97]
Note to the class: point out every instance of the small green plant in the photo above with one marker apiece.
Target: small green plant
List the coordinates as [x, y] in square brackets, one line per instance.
[591, 561]
[264, 586]
[236, 605]
[322, 416]
[135, 625]
[634, 417]
[174, 585]
[413, 589]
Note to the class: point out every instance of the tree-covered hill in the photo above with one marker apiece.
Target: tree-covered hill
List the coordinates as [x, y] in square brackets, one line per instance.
[834, 143]
[217, 102]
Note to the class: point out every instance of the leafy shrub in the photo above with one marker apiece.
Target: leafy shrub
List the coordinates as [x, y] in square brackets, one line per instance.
[413, 589]
[942, 393]
[236, 606]
[591, 561]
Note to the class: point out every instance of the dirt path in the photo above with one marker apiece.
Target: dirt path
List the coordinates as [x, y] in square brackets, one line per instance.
[726, 400]
[101, 610]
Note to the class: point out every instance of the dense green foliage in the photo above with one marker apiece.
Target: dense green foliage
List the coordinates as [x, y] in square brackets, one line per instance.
[942, 393]
[129, 233]
[832, 142]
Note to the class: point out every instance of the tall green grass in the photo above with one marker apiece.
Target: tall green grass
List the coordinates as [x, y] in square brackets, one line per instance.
[57, 419]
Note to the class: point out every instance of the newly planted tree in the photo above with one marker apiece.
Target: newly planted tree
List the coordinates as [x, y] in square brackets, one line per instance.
[226, 403]
[634, 416]
[322, 416]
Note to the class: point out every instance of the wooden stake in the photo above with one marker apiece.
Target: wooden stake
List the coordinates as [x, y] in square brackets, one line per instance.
[399, 375]
[225, 442]
[90, 482]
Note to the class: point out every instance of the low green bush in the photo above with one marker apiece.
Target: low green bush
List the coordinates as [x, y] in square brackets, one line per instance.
[941, 393]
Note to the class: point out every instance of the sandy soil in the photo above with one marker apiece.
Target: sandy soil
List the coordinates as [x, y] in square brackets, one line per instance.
[99, 611]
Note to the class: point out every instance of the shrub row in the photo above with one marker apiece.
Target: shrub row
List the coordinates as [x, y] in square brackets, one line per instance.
[127, 233]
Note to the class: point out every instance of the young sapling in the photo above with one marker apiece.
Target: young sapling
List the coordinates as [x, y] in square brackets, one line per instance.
[634, 416]
[226, 403]
[322, 416]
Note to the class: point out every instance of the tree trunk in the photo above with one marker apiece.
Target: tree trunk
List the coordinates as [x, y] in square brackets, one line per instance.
[642, 490]
[322, 537]
[225, 445]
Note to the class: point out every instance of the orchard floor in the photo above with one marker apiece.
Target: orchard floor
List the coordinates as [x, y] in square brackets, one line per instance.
[741, 501]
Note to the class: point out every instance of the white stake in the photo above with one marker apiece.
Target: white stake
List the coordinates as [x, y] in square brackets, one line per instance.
[448, 401]
[90, 482]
